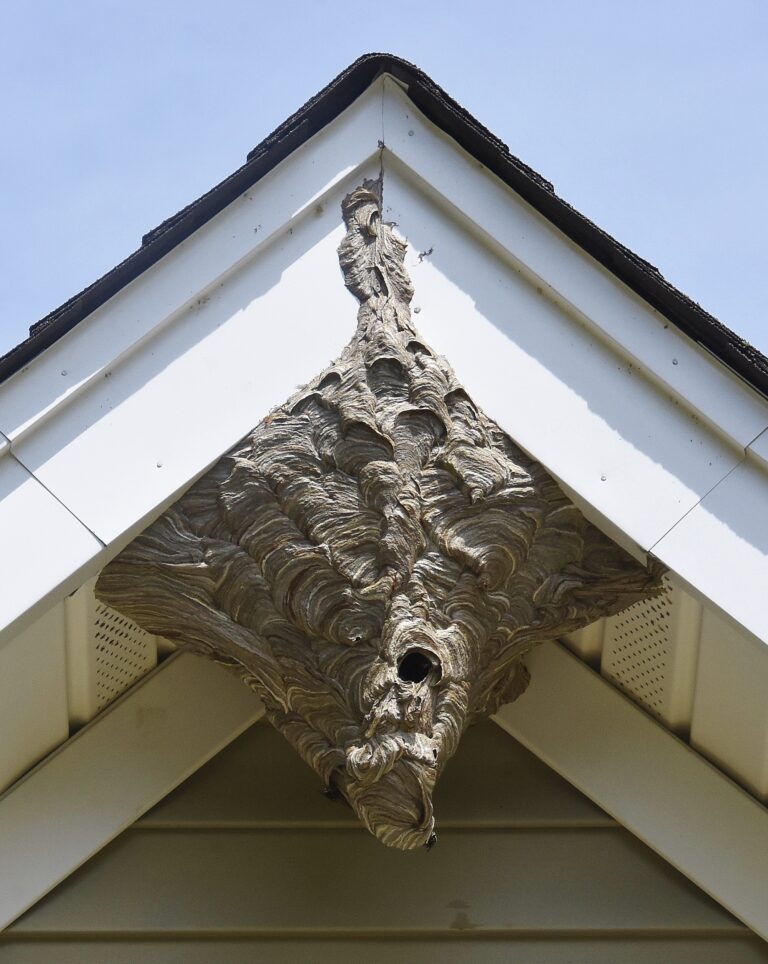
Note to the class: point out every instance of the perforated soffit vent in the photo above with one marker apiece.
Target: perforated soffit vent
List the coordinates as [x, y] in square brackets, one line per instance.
[106, 654]
[124, 653]
[637, 650]
[649, 651]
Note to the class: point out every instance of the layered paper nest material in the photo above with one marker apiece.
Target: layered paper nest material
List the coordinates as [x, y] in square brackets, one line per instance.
[376, 557]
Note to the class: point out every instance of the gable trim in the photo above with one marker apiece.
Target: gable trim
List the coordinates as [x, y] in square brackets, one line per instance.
[100, 782]
[115, 769]
[641, 276]
[655, 785]
[695, 424]
[659, 446]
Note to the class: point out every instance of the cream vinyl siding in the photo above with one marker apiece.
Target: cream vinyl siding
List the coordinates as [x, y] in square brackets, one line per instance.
[247, 861]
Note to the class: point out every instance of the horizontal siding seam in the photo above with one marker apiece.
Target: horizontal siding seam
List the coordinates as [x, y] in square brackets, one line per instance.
[194, 826]
[394, 935]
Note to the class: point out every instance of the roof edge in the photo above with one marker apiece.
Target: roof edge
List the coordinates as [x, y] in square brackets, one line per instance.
[638, 274]
[311, 118]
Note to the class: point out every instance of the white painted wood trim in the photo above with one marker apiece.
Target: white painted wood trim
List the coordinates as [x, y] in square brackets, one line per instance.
[705, 515]
[720, 547]
[33, 695]
[137, 314]
[560, 393]
[651, 782]
[103, 779]
[729, 723]
[50, 410]
[572, 278]
[45, 548]
[54, 403]
[81, 655]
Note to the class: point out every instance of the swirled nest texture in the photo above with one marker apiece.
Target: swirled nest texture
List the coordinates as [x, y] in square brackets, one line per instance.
[375, 558]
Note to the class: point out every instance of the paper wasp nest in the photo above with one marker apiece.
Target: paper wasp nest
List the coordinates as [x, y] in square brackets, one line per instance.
[375, 558]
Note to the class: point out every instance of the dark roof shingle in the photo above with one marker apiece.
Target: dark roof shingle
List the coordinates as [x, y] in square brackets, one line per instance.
[442, 110]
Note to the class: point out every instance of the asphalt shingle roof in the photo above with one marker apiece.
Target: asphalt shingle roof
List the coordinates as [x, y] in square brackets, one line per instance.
[442, 110]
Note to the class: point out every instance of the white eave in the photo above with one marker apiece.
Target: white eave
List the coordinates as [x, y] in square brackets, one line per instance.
[657, 441]
[177, 718]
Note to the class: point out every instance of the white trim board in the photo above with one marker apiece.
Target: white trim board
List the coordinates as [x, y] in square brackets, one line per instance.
[82, 796]
[94, 422]
[175, 285]
[550, 382]
[650, 437]
[103, 779]
[571, 278]
[651, 782]
[45, 548]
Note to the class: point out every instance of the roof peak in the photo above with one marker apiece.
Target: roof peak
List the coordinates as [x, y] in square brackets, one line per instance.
[443, 111]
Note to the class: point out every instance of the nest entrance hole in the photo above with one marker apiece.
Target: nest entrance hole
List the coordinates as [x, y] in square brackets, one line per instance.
[414, 667]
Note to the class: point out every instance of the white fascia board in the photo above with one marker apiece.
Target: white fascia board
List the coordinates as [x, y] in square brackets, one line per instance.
[45, 549]
[606, 431]
[185, 276]
[647, 432]
[569, 276]
[119, 416]
[114, 770]
[125, 445]
[34, 714]
[651, 782]
[729, 722]
[720, 547]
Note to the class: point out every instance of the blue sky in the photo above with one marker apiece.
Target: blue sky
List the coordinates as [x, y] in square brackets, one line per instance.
[649, 117]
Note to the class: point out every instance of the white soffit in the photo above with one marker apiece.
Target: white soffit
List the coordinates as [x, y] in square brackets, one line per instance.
[107, 653]
[650, 781]
[120, 415]
[34, 716]
[646, 430]
[650, 651]
[174, 720]
[124, 412]
[63, 669]
[700, 674]
[113, 771]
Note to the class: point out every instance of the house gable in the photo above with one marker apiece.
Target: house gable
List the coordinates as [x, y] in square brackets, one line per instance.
[655, 439]
[83, 796]
[120, 415]
[248, 861]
